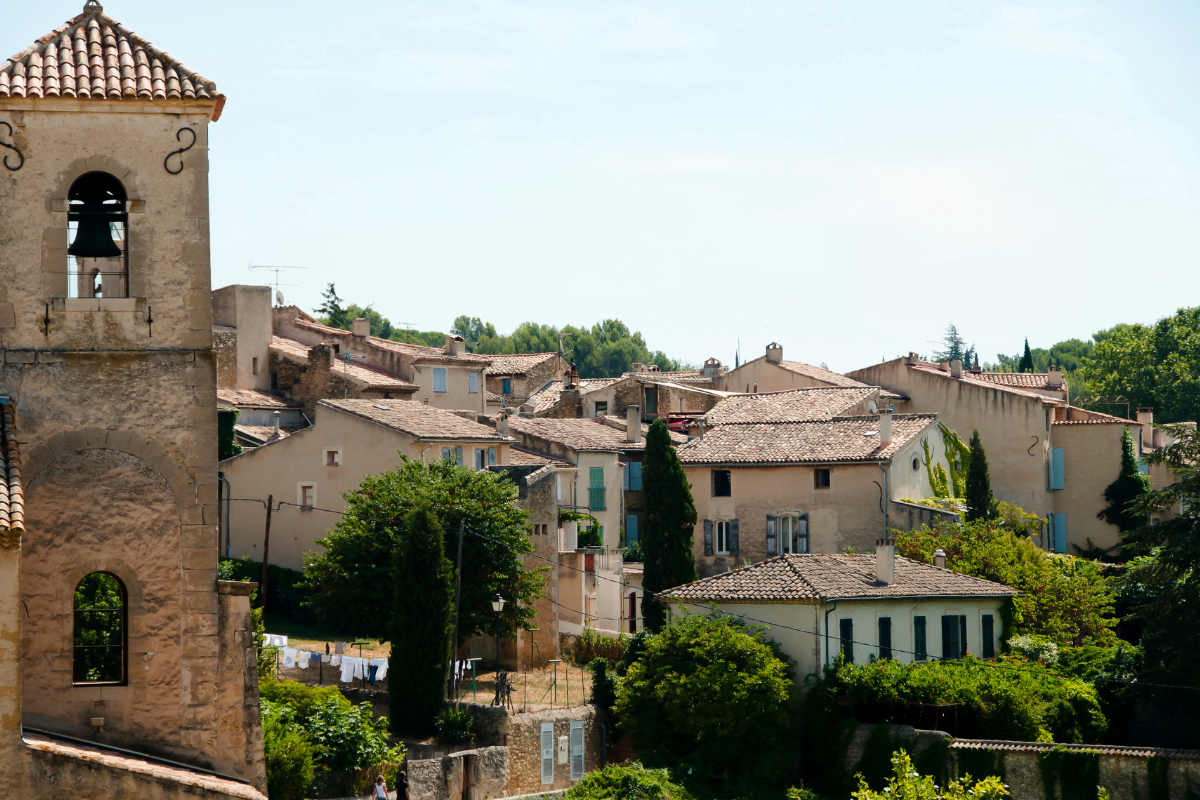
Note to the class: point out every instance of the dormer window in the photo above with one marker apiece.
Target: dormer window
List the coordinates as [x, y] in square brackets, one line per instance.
[97, 251]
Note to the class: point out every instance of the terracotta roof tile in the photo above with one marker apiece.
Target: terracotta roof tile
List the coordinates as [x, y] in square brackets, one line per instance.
[547, 396]
[520, 457]
[1099, 749]
[518, 363]
[1022, 380]
[834, 576]
[418, 352]
[253, 397]
[357, 372]
[12, 492]
[93, 56]
[841, 439]
[798, 405]
[417, 419]
[819, 374]
[583, 434]
[968, 377]
[261, 433]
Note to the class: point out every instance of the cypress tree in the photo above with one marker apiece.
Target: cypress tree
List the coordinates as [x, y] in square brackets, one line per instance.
[1120, 494]
[424, 598]
[670, 523]
[1026, 363]
[980, 504]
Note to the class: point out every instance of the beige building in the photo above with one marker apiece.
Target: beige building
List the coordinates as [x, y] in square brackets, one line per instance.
[127, 668]
[308, 472]
[804, 481]
[1046, 456]
[771, 373]
[875, 605]
[512, 379]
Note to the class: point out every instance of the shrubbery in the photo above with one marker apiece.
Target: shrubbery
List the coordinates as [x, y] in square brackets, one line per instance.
[630, 781]
[454, 724]
[283, 596]
[906, 784]
[592, 645]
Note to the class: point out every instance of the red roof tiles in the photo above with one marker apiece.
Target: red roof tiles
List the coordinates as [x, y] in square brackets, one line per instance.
[819, 374]
[797, 405]
[363, 375]
[12, 493]
[837, 440]
[417, 419]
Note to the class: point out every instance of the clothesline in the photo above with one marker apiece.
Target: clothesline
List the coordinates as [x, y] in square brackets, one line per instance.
[351, 667]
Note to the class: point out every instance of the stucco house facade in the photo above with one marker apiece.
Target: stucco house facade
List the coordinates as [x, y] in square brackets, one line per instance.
[312, 468]
[121, 649]
[873, 605]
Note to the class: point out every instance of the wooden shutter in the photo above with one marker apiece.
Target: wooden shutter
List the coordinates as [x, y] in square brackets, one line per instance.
[473, 382]
[846, 636]
[802, 534]
[988, 650]
[772, 537]
[962, 636]
[576, 750]
[458, 455]
[708, 542]
[635, 476]
[1058, 478]
[547, 753]
[885, 637]
[1060, 533]
[919, 639]
[949, 638]
[631, 529]
[439, 379]
[733, 537]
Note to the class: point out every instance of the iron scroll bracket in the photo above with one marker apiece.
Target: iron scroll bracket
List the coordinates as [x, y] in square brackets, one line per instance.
[12, 147]
[180, 151]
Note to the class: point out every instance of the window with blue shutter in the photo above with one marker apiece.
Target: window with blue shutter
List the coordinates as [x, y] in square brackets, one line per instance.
[439, 379]
[846, 638]
[635, 476]
[919, 645]
[1058, 478]
[1059, 530]
[506, 386]
[596, 488]
[989, 636]
[473, 383]
[885, 637]
[1143, 467]
[458, 456]
[631, 531]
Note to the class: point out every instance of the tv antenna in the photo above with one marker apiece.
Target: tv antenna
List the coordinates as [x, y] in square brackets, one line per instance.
[277, 284]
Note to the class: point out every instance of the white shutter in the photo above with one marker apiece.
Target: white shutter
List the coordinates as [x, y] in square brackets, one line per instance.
[547, 753]
[576, 750]
[473, 382]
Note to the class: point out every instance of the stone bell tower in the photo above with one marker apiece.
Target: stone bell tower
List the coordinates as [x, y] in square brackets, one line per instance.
[114, 631]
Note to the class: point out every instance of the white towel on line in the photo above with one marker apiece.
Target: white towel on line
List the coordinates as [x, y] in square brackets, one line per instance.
[347, 669]
[289, 657]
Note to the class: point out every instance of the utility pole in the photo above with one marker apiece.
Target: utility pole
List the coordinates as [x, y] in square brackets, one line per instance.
[462, 526]
[266, 544]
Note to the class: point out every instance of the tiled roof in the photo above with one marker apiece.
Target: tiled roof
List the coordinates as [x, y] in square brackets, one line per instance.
[1098, 749]
[968, 377]
[525, 458]
[681, 376]
[1022, 380]
[1086, 417]
[253, 397]
[818, 374]
[417, 352]
[361, 374]
[582, 434]
[416, 419]
[841, 439]
[94, 56]
[548, 395]
[517, 363]
[633, 568]
[261, 433]
[12, 492]
[797, 405]
[834, 576]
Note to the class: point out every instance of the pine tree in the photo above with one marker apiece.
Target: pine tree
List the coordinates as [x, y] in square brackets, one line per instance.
[980, 503]
[670, 523]
[421, 622]
[1120, 494]
[1026, 363]
[334, 311]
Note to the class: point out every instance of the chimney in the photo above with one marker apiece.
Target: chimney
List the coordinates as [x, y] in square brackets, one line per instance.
[277, 414]
[775, 352]
[1054, 378]
[712, 366]
[362, 328]
[638, 367]
[956, 369]
[939, 558]
[885, 428]
[502, 425]
[526, 411]
[633, 424]
[455, 345]
[885, 561]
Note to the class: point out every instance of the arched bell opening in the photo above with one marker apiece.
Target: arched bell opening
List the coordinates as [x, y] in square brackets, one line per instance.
[97, 223]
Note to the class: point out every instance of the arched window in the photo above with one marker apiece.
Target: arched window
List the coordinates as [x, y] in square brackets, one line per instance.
[97, 255]
[100, 635]
[793, 534]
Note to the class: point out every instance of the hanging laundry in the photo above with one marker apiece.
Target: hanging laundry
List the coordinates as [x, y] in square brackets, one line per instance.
[347, 670]
[339, 647]
[335, 660]
[371, 670]
[277, 640]
[359, 672]
[380, 665]
[325, 658]
[302, 659]
[289, 657]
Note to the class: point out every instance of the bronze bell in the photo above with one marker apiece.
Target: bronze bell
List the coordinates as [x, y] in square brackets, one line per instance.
[97, 200]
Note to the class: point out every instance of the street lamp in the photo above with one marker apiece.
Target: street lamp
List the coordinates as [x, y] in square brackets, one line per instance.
[497, 606]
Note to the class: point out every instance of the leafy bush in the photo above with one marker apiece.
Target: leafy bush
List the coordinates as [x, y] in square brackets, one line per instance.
[284, 597]
[290, 754]
[907, 784]
[1034, 648]
[633, 551]
[1017, 519]
[604, 684]
[1065, 599]
[709, 694]
[629, 781]
[592, 645]
[455, 724]
[1009, 699]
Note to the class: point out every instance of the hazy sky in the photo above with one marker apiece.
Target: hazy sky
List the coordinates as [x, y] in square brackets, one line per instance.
[845, 178]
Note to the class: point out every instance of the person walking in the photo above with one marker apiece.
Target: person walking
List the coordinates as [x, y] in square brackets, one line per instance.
[380, 792]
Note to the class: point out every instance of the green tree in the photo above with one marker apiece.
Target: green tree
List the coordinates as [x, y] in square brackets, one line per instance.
[1123, 493]
[352, 574]
[334, 313]
[955, 347]
[421, 622]
[978, 490]
[906, 784]
[670, 517]
[709, 695]
[1026, 364]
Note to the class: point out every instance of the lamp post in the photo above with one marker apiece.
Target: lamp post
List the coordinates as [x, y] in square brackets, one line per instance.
[497, 606]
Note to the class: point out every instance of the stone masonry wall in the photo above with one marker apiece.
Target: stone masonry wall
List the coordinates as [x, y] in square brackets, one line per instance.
[525, 749]
[225, 347]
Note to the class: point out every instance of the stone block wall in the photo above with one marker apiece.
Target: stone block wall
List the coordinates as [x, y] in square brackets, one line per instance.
[524, 748]
[225, 346]
[911, 516]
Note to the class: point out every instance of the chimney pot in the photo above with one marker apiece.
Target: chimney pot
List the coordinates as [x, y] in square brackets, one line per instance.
[1054, 377]
[502, 425]
[633, 424]
[939, 558]
[885, 561]
[956, 368]
[775, 353]
[885, 428]
[362, 328]
[277, 415]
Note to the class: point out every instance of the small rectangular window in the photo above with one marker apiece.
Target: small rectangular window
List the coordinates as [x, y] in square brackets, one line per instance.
[954, 636]
[473, 383]
[307, 495]
[439, 379]
[480, 458]
[506, 386]
[254, 365]
[988, 650]
[333, 458]
[491, 456]
[921, 652]
[651, 400]
[821, 478]
[722, 483]
[846, 638]
[722, 538]
[885, 637]
[601, 408]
